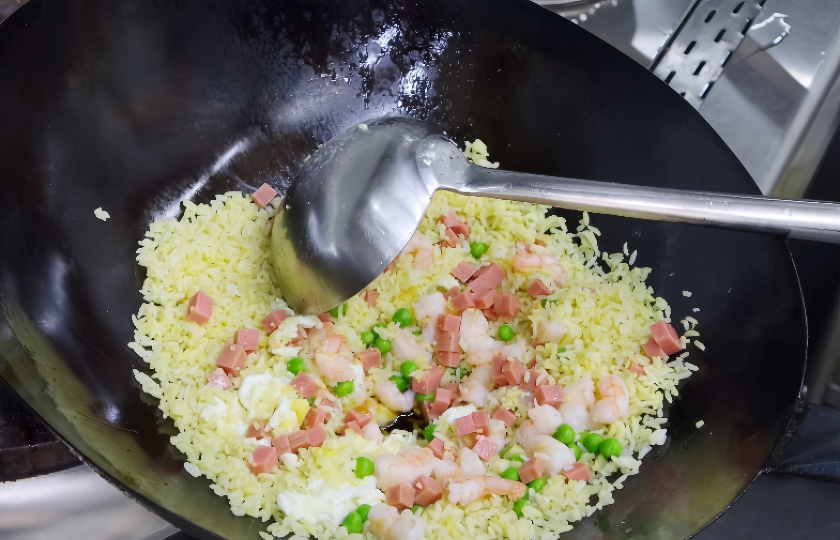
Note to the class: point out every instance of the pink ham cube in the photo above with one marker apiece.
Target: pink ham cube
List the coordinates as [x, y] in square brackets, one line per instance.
[305, 385]
[481, 422]
[281, 444]
[449, 359]
[485, 448]
[666, 337]
[249, 338]
[513, 371]
[315, 417]
[371, 297]
[218, 379]
[464, 425]
[272, 320]
[231, 359]
[577, 471]
[507, 305]
[430, 382]
[200, 308]
[452, 221]
[454, 291]
[448, 323]
[360, 418]
[400, 496]
[550, 394]
[531, 470]
[263, 195]
[298, 440]
[370, 358]
[447, 341]
[450, 238]
[263, 460]
[426, 412]
[443, 398]
[256, 430]
[316, 436]
[490, 314]
[484, 300]
[497, 365]
[488, 280]
[652, 349]
[462, 301]
[436, 446]
[529, 382]
[505, 416]
[353, 426]
[637, 369]
[537, 288]
[429, 491]
[464, 271]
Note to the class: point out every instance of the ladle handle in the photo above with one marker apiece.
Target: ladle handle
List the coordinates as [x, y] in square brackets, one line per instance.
[809, 220]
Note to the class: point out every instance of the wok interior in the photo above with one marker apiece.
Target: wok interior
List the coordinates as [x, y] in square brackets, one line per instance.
[135, 107]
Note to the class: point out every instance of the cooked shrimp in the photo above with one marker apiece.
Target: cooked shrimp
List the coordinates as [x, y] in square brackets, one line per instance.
[515, 349]
[470, 464]
[577, 416]
[526, 433]
[391, 397]
[498, 432]
[445, 469]
[429, 306]
[465, 489]
[387, 523]
[549, 332]
[407, 348]
[525, 261]
[334, 367]
[579, 398]
[475, 338]
[423, 249]
[555, 454]
[372, 433]
[478, 384]
[404, 467]
[615, 400]
[545, 418]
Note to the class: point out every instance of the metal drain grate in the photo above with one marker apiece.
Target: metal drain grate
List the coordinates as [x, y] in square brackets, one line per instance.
[695, 58]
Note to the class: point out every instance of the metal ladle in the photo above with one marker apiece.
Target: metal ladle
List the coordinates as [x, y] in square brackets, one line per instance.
[361, 196]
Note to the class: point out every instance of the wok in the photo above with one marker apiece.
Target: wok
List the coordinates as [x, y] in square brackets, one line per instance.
[136, 106]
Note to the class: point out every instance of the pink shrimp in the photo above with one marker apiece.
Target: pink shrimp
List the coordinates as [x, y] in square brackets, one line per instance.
[423, 249]
[387, 523]
[404, 467]
[407, 348]
[525, 261]
[475, 389]
[615, 400]
[465, 489]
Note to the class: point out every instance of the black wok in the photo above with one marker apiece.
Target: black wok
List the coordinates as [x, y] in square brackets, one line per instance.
[135, 106]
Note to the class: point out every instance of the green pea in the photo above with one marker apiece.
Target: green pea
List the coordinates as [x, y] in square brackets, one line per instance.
[311, 401]
[403, 317]
[417, 333]
[565, 434]
[519, 505]
[400, 381]
[408, 367]
[380, 325]
[429, 432]
[591, 442]
[363, 510]
[561, 350]
[384, 345]
[353, 523]
[364, 467]
[368, 337]
[463, 373]
[575, 450]
[416, 508]
[610, 447]
[537, 484]
[506, 333]
[510, 474]
[420, 398]
[516, 458]
[296, 365]
[334, 311]
[545, 302]
[344, 389]
[477, 249]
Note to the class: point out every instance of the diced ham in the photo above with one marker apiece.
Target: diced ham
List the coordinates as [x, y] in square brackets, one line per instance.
[549, 394]
[453, 222]
[272, 320]
[430, 382]
[497, 365]
[463, 301]
[464, 425]
[637, 369]
[219, 379]
[360, 418]
[537, 288]
[513, 371]
[449, 359]
[447, 341]
[485, 448]
[578, 471]
[505, 416]
[281, 444]
[370, 358]
[490, 314]
[450, 238]
[531, 384]
[315, 417]
[428, 492]
[480, 272]
[462, 228]
[666, 337]
[298, 440]
[443, 398]
[481, 422]
[200, 308]
[652, 349]
[257, 430]
[488, 280]
[305, 385]
[531, 470]
[263, 195]
[507, 305]
[371, 297]
[449, 323]
[249, 338]
[299, 338]
[316, 435]
[464, 271]
[231, 359]
[325, 317]
[454, 291]
[426, 411]
[484, 300]
[400, 496]
[263, 460]
[436, 446]
[353, 426]
[454, 391]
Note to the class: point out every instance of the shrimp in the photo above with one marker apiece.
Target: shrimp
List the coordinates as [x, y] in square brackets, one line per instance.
[515, 349]
[549, 332]
[545, 418]
[615, 400]
[445, 469]
[423, 249]
[475, 338]
[555, 454]
[429, 306]
[407, 348]
[498, 432]
[579, 398]
[404, 467]
[526, 433]
[391, 397]
[471, 464]
[526, 261]
[465, 489]
[334, 367]
[387, 523]
[477, 385]
[372, 433]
